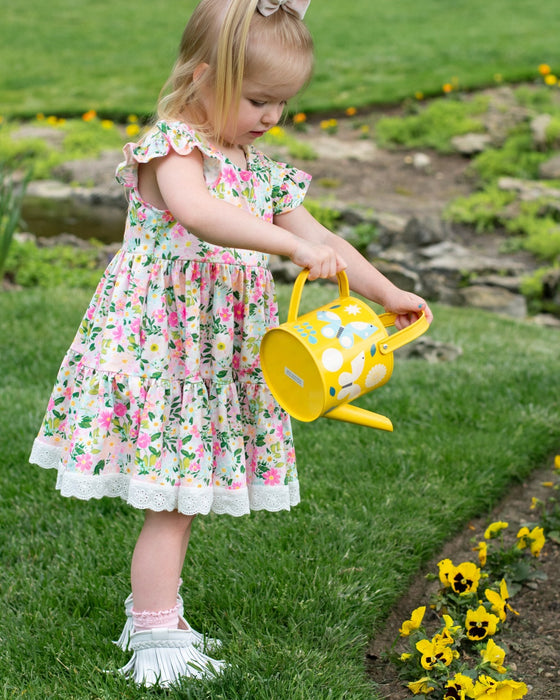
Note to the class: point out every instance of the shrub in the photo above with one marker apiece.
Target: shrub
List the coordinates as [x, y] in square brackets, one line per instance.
[483, 210]
[31, 266]
[433, 126]
[516, 158]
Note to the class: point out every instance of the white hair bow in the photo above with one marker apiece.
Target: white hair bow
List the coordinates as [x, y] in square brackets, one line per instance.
[294, 7]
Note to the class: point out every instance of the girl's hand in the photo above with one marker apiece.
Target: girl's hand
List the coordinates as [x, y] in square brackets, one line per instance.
[320, 259]
[408, 307]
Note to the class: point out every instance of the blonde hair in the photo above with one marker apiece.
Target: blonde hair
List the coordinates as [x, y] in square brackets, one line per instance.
[236, 43]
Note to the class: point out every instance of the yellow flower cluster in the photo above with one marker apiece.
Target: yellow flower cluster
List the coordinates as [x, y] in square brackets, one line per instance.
[438, 665]
[548, 76]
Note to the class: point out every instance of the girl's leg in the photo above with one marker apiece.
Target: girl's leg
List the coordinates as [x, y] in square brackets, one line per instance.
[164, 647]
[158, 559]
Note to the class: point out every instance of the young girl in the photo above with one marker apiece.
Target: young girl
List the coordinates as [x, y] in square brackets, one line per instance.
[160, 400]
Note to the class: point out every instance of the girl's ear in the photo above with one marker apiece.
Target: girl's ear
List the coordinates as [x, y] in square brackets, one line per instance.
[199, 71]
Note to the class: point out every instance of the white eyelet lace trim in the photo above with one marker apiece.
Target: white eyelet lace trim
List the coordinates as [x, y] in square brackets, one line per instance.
[158, 498]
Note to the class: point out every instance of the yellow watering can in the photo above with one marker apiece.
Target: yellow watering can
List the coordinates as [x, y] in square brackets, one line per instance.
[317, 363]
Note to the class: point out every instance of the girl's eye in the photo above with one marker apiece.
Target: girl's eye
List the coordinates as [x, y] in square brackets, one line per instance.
[257, 103]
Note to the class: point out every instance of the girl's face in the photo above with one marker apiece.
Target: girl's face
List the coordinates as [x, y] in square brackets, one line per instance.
[260, 108]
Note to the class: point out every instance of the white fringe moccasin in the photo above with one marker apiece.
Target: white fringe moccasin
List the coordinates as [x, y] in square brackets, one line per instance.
[201, 640]
[164, 656]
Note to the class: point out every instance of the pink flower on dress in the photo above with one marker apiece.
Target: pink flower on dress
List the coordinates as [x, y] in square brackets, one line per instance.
[90, 313]
[272, 477]
[84, 462]
[51, 404]
[235, 485]
[173, 319]
[224, 313]
[229, 176]
[105, 418]
[159, 315]
[143, 440]
[120, 409]
[118, 333]
[246, 175]
[239, 311]
[135, 325]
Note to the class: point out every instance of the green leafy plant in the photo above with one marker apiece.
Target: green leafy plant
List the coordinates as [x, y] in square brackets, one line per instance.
[483, 210]
[31, 266]
[434, 125]
[516, 157]
[72, 139]
[329, 217]
[11, 197]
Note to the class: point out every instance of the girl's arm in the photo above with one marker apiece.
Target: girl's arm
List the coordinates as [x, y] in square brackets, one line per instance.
[364, 278]
[176, 183]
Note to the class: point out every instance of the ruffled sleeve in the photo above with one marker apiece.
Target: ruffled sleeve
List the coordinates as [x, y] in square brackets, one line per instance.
[289, 185]
[158, 142]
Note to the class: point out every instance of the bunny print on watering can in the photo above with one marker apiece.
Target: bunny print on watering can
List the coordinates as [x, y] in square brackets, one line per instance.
[317, 363]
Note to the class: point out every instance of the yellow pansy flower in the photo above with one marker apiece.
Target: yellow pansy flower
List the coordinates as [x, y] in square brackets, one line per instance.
[487, 688]
[414, 622]
[445, 567]
[494, 529]
[494, 655]
[464, 578]
[433, 653]
[450, 625]
[480, 623]
[482, 549]
[421, 686]
[534, 539]
[458, 687]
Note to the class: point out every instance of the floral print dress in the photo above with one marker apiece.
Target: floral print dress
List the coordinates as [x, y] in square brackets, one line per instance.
[160, 399]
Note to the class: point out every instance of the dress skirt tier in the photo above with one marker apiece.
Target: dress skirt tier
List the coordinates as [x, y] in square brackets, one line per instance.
[160, 399]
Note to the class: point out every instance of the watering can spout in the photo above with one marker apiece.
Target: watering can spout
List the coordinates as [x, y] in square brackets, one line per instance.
[354, 414]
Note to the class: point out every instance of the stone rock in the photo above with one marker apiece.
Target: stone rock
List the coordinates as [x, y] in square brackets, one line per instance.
[470, 144]
[539, 125]
[550, 169]
[528, 190]
[283, 270]
[424, 231]
[400, 275]
[54, 137]
[90, 171]
[495, 299]
[430, 350]
[546, 320]
[421, 161]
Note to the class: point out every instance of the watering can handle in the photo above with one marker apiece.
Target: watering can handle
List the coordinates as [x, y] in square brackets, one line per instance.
[343, 290]
[404, 336]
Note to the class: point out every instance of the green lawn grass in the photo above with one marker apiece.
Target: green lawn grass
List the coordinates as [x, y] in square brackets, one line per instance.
[66, 57]
[295, 596]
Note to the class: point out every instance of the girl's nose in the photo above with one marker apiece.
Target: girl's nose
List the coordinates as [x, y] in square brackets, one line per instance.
[273, 114]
